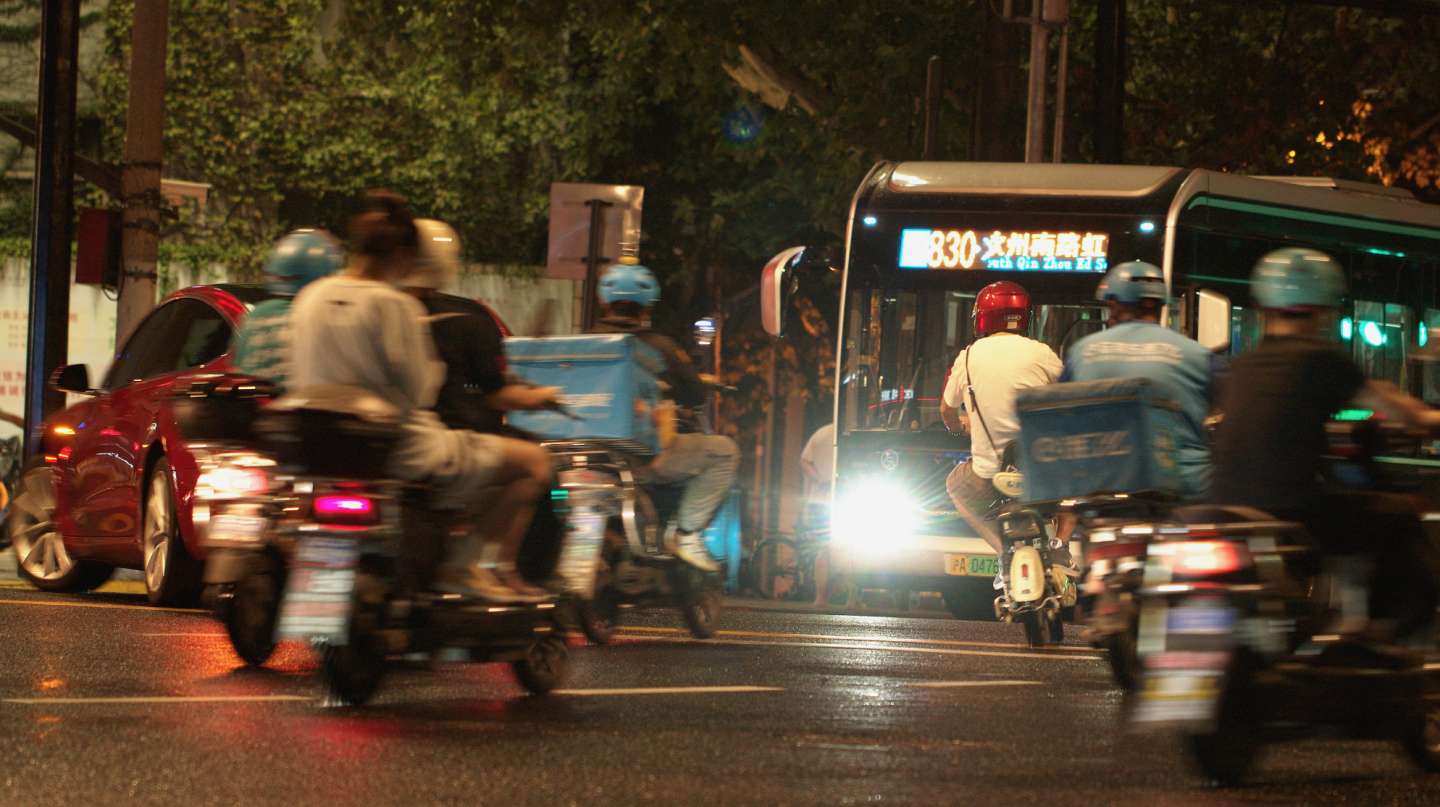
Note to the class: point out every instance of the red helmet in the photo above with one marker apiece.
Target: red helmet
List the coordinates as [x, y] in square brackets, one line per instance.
[1002, 306]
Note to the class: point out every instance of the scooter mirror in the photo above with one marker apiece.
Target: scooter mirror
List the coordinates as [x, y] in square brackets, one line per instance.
[1213, 320]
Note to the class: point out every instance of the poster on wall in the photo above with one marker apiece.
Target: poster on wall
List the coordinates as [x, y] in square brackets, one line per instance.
[92, 334]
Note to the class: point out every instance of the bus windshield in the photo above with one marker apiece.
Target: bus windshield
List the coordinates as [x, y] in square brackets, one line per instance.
[899, 345]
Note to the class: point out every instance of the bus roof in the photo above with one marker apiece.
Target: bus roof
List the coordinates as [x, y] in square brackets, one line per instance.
[1029, 179]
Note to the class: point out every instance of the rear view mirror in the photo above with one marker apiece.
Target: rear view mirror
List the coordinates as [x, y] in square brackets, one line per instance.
[72, 378]
[1213, 320]
[777, 284]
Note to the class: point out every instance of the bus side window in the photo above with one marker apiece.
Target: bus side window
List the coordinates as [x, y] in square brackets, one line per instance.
[1379, 336]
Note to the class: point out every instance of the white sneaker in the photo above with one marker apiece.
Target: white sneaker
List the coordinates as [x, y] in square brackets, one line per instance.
[689, 547]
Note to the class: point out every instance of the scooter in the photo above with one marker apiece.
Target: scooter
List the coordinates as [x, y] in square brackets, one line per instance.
[1034, 591]
[335, 555]
[616, 558]
[1234, 616]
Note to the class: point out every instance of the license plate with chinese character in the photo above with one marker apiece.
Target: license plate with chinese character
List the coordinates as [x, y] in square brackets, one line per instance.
[972, 565]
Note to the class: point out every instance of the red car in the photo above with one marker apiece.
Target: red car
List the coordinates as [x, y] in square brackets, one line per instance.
[113, 486]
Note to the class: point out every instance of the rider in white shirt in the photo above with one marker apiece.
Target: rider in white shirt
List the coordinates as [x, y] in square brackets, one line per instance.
[983, 381]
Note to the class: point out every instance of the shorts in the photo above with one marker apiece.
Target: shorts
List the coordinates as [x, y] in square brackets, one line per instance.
[967, 489]
[456, 464]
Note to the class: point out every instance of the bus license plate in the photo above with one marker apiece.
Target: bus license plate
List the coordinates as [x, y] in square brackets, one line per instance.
[972, 565]
[230, 530]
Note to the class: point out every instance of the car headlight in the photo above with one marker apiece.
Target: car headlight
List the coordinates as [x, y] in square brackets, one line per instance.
[873, 515]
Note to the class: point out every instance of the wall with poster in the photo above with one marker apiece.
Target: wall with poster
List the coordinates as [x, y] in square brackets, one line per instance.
[92, 333]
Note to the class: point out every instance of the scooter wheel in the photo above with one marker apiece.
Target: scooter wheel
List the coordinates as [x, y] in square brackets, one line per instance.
[702, 616]
[1422, 743]
[353, 671]
[1226, 754]
[543, 665]
[599, 616]
[251, 615]
[1124, 660]
[1037, 629]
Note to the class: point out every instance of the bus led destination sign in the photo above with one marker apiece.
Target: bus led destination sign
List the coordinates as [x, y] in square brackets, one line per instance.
[1004, 251]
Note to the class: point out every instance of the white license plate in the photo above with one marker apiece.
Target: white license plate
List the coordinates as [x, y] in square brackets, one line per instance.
[228, 530]
[319, 592]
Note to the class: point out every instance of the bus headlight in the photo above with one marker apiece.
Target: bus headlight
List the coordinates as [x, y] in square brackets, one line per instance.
[874, 516]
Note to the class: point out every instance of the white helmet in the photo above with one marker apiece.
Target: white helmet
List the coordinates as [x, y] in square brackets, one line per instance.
[440, 259]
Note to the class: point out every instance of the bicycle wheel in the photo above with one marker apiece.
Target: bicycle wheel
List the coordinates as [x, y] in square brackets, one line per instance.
[779, 574]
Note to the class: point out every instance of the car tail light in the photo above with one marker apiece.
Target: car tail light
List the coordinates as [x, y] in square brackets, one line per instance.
[1203, 558]
[234, 481]
[346, 510]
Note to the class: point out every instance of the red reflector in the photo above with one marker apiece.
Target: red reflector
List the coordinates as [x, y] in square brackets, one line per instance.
[343, 506]
[1206, 557]
[1024, 570]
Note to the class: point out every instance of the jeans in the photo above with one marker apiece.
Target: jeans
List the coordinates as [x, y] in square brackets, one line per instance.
[706, 463]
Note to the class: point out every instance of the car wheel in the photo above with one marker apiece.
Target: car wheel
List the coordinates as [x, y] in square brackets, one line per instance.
[172, 577]
[40, 555]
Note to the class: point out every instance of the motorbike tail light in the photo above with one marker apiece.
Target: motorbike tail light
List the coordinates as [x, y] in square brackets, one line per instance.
[1204, 558]
[346, 510]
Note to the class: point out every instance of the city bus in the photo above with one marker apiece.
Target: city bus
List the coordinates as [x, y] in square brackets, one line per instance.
[922, 238]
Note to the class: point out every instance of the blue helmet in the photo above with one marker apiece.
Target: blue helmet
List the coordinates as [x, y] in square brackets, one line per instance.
[1129, 283]
[1297, 280]
[300, 258]
[628, 280]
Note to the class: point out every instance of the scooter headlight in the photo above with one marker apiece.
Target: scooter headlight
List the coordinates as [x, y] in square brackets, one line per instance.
[873, 516]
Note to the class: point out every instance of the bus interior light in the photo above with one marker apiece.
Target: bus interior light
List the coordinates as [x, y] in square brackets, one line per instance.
[1347, 328]
[1147, 226]
[1370, 331]
[870, 220]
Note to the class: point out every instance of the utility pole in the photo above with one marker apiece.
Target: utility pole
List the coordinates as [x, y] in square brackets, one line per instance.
[53, 225]
[1110, 81]
[1035, 105]
[140, 175]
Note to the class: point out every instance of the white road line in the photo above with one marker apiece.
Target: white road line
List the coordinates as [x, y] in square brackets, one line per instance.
[953, 684]
[665, 690]
[163, 699]
[835, 646]
[886, 639]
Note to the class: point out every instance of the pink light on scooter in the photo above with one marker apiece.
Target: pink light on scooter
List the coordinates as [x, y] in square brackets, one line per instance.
[351, 506]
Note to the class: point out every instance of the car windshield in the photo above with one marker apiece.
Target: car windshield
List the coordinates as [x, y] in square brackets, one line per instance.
[899, 345]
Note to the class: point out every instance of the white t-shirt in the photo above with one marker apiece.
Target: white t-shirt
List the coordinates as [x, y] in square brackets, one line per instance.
[1000, 363]
[820, 451]
[349, 330]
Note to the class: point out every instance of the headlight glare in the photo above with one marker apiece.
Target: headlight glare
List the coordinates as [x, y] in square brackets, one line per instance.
[874, 515]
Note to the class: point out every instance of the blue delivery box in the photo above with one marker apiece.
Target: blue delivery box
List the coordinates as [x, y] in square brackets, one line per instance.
[1084, 438]
[608, 381]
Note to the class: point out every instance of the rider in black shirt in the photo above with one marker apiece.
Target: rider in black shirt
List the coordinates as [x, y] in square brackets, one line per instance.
[1271, 444]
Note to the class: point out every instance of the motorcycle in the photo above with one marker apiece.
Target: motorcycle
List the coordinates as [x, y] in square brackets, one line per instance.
[1117, 530]
[310, 541]
[1235, 609]
[616, 560]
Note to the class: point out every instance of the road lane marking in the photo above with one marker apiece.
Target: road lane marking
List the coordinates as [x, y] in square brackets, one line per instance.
[953, 684]
[665, 690]
[947, 642]
[212, 633]
[112, 587]
[106, 605]
[163, 699]
[943, 651]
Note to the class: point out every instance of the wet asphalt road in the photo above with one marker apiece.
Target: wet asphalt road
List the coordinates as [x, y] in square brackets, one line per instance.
[103, 701]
